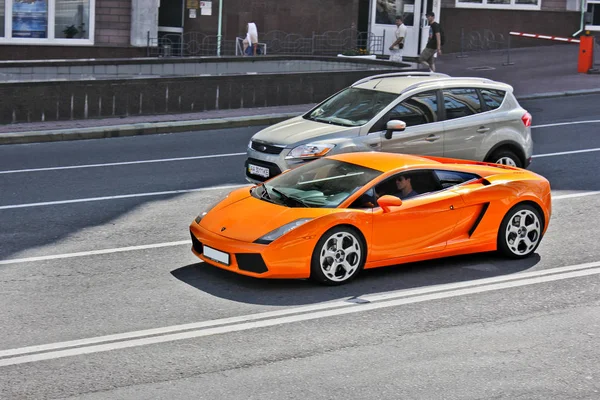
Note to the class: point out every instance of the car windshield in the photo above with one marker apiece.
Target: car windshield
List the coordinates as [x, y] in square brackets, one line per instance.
[351, 107]
[322, 183]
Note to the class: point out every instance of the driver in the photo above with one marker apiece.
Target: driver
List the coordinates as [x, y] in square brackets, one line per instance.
[404, 186]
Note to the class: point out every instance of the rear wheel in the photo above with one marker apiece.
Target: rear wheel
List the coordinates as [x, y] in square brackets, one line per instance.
[505, 157]
[338, 256]
[520, 232]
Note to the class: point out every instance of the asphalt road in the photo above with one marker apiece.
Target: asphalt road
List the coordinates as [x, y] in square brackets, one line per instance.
[473, 327]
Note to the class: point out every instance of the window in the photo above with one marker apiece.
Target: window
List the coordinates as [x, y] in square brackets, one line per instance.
[501, 4]
[408, 184]
[386, 11]
[2, 16]
[417, 110]
[452, 178]
[47, 21]
[461, 103]
[323, 183]
[72, 19]
[492, 98]
[30, 19]
[352, 107]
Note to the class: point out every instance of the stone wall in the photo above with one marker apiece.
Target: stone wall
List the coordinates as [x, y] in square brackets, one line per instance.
[66, 100]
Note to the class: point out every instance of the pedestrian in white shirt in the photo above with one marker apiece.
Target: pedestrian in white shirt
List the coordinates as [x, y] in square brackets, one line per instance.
[397, 48]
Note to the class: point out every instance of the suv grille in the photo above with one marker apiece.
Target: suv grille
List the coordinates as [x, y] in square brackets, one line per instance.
[266, 148]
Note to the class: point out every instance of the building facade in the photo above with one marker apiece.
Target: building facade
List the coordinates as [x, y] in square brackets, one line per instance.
[57, 29]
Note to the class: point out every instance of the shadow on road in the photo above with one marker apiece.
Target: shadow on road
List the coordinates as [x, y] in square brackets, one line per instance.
[230, 286]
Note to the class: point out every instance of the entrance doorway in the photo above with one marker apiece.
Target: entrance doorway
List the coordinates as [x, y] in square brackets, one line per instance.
[170, 26]
[383, 22]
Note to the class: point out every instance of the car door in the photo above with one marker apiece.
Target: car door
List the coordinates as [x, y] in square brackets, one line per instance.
[422, 224]
[465, 123]
[424, 129]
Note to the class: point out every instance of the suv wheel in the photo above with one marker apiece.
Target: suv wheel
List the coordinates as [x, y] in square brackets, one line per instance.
[505, 157]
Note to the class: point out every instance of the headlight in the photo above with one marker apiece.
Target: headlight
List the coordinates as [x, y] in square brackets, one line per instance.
[250, 144]
[310, 150]
[269, 237]
[206, 210]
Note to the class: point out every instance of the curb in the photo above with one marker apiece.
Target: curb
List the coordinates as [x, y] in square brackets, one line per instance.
[558, 94]
[152, 128]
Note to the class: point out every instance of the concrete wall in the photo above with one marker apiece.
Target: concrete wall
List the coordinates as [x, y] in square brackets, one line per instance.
[65, 70]
[66, 100]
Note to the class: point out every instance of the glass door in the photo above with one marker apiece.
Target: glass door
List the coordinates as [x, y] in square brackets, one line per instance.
[383, 22]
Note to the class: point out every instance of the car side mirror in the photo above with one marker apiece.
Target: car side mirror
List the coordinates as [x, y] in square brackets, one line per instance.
[394, 125]
[387, 201]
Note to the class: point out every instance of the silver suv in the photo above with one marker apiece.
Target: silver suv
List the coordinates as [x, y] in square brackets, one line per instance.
[407, 112]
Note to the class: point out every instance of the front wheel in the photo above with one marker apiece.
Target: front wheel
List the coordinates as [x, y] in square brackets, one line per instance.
[520, 232]
[338, 256]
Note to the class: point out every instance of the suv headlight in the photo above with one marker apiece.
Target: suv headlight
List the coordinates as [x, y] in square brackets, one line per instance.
[282, 230]
[250, 144]
[310, 150]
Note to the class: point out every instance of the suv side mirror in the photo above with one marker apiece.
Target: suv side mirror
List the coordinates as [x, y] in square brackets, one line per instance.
[394, 125]
[387, 201]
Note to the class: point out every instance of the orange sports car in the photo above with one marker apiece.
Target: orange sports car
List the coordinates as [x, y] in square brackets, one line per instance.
[332, 217]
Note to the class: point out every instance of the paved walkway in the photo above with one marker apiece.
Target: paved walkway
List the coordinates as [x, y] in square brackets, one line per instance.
[545, 71]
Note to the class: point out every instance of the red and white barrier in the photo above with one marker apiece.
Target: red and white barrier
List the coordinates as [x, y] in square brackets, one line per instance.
[536, 36]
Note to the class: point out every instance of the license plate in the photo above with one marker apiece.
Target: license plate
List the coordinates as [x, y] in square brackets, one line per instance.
[260, 171]
[215, 255]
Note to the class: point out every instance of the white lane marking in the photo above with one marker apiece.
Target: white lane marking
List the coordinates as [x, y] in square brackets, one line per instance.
[58, 202]
[15, 171]
[562, 153]
[212, 155]
[186, 242]
[592, 121]
[287, 316]
[94, 252]
[575, 195]
[124, 196]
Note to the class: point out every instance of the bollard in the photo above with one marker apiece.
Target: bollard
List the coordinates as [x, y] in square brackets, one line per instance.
[462, 44]
[586, 53]
[508, 62]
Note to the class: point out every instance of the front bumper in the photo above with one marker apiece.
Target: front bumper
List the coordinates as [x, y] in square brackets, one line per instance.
[276, 260]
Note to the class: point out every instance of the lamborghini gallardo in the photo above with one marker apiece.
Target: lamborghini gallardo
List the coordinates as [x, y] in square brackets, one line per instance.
[333, 217]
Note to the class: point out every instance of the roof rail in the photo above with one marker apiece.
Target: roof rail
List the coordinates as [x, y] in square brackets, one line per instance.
[405, 73]
[450, 79]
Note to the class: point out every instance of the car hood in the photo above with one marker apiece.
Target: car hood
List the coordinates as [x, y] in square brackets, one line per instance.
[299, 130]
[246, 218]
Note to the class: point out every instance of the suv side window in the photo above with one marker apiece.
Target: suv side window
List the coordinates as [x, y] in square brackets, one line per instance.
[492, 98]
[452, 178]
[460, 102]
[419, 109]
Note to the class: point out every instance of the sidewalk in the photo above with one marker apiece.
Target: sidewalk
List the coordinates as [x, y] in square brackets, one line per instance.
[538, 72]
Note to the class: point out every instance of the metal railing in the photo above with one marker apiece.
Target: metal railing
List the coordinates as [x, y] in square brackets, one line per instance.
[275, 42]
[482, 40]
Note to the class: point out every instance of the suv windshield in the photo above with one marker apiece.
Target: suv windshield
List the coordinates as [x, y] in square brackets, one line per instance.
[351, 107]
[322, 183]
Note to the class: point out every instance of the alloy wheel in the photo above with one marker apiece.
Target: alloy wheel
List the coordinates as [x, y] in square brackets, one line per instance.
[523, 232]
[340, 256]
[506, 161]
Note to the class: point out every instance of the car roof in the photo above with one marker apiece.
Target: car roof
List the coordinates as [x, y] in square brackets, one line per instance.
[399, 82]
[396, 84]
[386, 162]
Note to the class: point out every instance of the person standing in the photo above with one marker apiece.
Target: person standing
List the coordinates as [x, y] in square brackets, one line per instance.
[251, 40]
[434, 43]
[397, 48]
